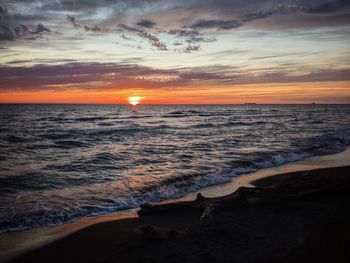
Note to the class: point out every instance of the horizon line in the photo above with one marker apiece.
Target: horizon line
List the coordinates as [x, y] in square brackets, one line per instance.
[161, 104]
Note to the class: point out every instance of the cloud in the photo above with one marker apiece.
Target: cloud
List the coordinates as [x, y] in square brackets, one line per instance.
[125, 37]
[191, 36]
[236, 13]
[22, 31]
[40, 29]
[330, 7]
[278, 10]
[10, 17]
[129, 28]
[191, 48]
[146, 23]
[3, 11]
[89, 5]
[165, 24]
[189, 20]
[220, 24]
[73, 21]
[120, 76]
[248, 17]
[172, 12]
[87, 28]
[39, 61]
[44, 77]
[11, 30]
[314, 76]
[184, 33]
[6, 34]
[236, 7]
[152, 39]
[132, 45]
[93, 28]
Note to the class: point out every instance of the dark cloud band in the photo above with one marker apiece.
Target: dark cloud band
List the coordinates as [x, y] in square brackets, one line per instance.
[45, 77]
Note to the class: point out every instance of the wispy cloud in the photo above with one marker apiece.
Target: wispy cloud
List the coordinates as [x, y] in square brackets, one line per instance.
[120, 76]
[22, 31]
[191, 36]
[152, 39]
[11, 30]
[248, 17]
[73, 21]
[146, 23]
[215, 23]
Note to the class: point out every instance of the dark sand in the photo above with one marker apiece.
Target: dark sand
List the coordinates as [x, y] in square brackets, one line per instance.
[294, 217]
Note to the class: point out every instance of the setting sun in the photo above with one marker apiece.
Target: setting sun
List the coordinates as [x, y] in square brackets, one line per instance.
[134, 100]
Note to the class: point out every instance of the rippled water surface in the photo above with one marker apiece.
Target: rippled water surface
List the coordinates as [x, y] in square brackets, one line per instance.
[63, 162]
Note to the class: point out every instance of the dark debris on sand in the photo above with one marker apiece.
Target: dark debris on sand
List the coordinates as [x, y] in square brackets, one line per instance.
[295, 217]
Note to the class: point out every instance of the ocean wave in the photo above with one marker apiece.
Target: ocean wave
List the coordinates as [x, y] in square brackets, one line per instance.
[17, 139]
[245, 123]
[68, 144]
[61, 163]
[176, 115]
[203, 125]
[91, 119]
[105, 124]
[173, 187]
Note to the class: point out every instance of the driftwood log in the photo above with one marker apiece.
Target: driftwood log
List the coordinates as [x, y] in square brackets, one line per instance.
[288, 187]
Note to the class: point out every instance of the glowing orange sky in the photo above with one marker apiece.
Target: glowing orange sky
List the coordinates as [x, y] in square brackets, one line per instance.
[175, 52]
[324, 92]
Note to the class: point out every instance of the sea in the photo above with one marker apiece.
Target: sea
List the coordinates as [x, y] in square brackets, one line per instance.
[60, 163]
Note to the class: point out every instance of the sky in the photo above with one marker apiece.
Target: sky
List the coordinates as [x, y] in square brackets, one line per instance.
[169, 52]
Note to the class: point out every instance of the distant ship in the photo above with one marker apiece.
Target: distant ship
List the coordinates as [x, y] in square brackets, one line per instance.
[250, 103]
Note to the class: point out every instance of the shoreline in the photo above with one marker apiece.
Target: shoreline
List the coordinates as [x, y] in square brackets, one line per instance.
[292, 217]
[14, 244]
[310, 163]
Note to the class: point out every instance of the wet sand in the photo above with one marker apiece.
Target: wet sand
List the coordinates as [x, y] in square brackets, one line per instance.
[294, 217]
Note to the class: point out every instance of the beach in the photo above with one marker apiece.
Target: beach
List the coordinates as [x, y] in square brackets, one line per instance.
[291, 217]
[174, 131]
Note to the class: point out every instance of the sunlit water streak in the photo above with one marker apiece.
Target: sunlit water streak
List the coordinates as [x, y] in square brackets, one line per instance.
[64, 162]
